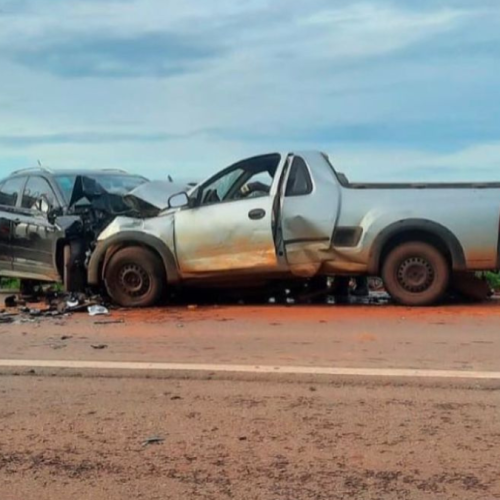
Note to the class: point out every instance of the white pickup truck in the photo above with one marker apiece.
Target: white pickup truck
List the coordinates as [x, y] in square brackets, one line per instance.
[281, 216]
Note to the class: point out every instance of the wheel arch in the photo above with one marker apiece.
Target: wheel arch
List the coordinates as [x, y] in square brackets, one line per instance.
[422, 230]
[107, 248]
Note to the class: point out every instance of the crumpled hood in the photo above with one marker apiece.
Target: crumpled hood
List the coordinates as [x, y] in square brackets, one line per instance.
[153, 196]
[146, 200]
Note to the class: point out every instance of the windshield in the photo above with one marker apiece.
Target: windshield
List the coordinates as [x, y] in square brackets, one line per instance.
[113, 183]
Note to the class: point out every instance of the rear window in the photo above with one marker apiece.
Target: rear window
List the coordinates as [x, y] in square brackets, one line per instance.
[113, 183]
[299, 181]
[10, 191]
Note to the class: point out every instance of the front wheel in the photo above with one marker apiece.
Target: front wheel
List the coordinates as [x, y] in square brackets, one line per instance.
[135, 277]
[416, 274]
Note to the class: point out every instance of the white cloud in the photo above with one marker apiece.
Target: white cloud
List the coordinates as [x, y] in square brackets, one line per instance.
[477, 163]
[289, 66]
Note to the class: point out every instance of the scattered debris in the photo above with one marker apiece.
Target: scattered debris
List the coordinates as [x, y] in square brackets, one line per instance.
[242, 438]
[97, 310]
[110, 322]
[72, 303]
[152, 440]
[6, 318]
[66, 337]
[58, 346]
[99, 346]
[174, 398]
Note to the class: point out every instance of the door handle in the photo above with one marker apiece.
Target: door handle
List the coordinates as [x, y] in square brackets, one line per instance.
[257, 213]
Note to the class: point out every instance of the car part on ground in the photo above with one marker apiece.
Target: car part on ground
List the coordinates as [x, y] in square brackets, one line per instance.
[471, 287]
[376, 284]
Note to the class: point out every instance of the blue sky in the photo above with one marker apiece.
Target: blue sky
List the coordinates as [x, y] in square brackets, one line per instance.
[403, 90]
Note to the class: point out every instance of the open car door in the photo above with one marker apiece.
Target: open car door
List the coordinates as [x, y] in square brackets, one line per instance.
[309, 211]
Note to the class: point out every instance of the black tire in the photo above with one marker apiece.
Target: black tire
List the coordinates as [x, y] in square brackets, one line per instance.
[73, 275]
[416, 274]
[135, 277]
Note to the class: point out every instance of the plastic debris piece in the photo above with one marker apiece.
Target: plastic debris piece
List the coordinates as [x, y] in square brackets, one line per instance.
[97, 310]
[99, 346]
[6, 318]
[152, 440]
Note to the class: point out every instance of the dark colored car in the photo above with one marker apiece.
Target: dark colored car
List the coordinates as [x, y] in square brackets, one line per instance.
[31, 243]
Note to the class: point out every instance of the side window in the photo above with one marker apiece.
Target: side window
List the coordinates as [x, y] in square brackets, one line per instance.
[259, 184]
[250, 178]
[217, 191]
[11, 190]
[38, 195]
[299, 182]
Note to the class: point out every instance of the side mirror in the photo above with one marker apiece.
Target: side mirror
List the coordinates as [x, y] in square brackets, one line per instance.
[178, 200]
[54, 213]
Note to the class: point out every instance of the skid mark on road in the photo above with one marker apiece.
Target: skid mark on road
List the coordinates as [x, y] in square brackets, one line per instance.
[264, 369]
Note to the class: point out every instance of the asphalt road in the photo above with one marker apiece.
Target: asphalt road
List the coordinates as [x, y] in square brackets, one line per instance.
[80, 432]
[86, 438]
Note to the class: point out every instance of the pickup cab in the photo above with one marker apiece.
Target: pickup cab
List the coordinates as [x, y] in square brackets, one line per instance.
[293, 216]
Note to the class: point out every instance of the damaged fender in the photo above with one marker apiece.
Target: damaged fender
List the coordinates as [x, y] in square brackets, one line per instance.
[97, 262]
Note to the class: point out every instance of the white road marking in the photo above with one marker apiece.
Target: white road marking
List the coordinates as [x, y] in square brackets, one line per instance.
[265, 369]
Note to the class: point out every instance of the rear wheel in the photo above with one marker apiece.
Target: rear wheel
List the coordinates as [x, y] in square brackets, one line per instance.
[416, 274]
[135, 277]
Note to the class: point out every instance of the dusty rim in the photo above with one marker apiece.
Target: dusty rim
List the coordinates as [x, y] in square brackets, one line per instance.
[133, 280]
[416, 274]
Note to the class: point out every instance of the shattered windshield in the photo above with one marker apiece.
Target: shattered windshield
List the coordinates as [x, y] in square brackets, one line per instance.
[112, 183]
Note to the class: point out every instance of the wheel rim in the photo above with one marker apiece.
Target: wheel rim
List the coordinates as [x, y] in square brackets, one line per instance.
[415, 275]
[133, 280]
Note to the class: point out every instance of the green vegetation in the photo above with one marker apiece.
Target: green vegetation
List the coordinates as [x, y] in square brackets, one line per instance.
[9, 284]
[493, 280]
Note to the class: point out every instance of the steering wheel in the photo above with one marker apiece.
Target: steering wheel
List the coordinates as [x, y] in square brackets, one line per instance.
[251, 188]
